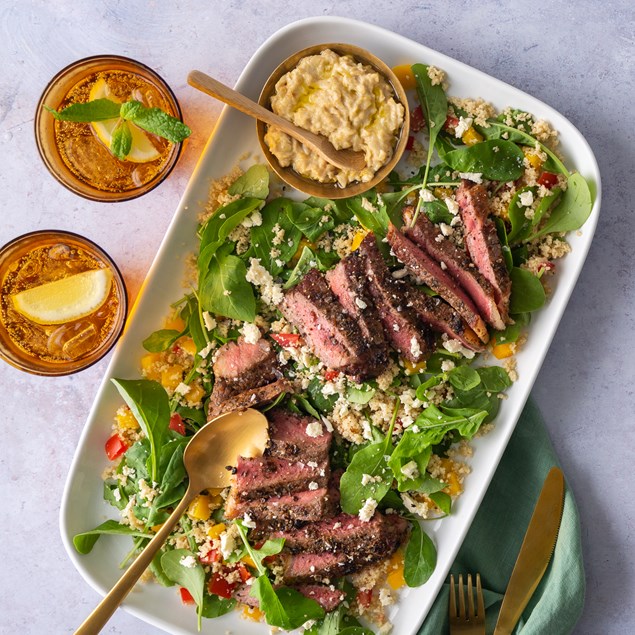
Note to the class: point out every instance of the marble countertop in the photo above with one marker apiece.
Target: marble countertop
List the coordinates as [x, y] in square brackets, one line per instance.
[573, 56]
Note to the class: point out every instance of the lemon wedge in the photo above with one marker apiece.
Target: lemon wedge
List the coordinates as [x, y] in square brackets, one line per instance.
[142, 149]
[65, 300]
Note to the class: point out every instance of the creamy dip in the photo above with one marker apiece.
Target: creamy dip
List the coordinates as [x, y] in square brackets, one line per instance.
[348, 102]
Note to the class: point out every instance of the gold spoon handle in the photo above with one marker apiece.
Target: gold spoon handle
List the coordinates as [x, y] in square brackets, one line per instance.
[344, 159]
[104, 610]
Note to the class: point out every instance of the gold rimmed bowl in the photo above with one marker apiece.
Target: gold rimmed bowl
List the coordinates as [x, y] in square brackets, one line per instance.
[334, 190]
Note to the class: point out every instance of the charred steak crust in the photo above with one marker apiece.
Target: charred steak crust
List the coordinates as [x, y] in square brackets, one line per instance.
[421, 265]
[483, 245]
[348, 282]
[331, 333]
[429, 237]
[289, 439]
[245, 374]
[402, 327]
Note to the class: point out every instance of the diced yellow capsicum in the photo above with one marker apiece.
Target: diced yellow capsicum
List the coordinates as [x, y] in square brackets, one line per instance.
[252, 613]
[357, 239]
[412, 368]
[195, 395]
[405, 76]
[301, 245]
[175, 323]
[149, 366]
[471, 136]
[453, 487]
[199, 508]
[395, 571]
[532, 158]
[215, 531]
[187, 344]
[502, 351]
[172, 376]
[125, 419]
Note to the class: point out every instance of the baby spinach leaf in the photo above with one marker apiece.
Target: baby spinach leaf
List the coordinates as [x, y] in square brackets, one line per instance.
[157, 569]
[150, 405]
[546, 205]
[225, 290]
[437, 212]
[308, 260]
[271, 547]
[119, 500]
[285, 608]
[190, 577]
[361, 394]
[137, 457]
[336, 208]
[573, 209]
[442, 500]
[411, 447]
[496, 160]
[528, 294]
[85, 541]
[420, 557]
[434, 104]
[263, 236]
[323, 403]
[196, 327]
[173, 474]
[254, 182]
[215, 606]
[193, 414]
[356, 630]
[311, 221]
[223, 221]
[371, 460]
[521, 225]
[512, 331]
[375, 219]
[464, 378]
[161, 340]
[434, 423]
[494, 378]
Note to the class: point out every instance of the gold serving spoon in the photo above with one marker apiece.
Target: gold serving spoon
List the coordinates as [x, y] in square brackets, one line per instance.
[215, 446]
[344, 159]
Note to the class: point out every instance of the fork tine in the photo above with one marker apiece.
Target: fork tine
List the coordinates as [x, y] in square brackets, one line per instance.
[479, 596]
[461, 597]
[452, 598]
[470, 598]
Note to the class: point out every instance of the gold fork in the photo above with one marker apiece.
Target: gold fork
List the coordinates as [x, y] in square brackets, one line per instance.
[470, 622]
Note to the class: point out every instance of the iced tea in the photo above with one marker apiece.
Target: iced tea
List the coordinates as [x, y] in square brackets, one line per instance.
[77, 154]
[59, 348]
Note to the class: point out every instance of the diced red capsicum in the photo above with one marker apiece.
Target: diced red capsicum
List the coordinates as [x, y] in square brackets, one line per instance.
[450, 122]
[115, 447]
[244, 572]
[548, 179]
[365, 597]
[211, 557]
[186, 596]
[218, 585]
[287, 340]
[330, 374]
[410, 143]
[176, 423]
[417, 120]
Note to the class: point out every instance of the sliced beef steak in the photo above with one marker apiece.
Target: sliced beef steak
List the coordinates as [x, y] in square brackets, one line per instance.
[326, 597]
[297, 438]
[330, 332]
[422, 265]
[245, 374]
[482, 241]
[443, 318]
[316, 567]
[429, 237]
[348, 282]
[402, 327]
[348, 534]
[266, 476]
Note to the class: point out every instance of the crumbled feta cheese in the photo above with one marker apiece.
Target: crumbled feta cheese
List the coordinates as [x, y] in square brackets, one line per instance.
[368, 206]
[386, 597]
[443, 265]
[367, 510]
[210, 322]
[203, 353]
[227, 544]
[426, 195]
[313, 485]
[257, 275]
[462, 127]
[189, 562]
[399, 274]
[314, 429]
[327, 424]
[452, 205]
[312, 463]
[360, 303]
[254, 220]
[116, 494]
[526, 198]
[410, 470]
[454, 346]
[476, 177]
[447, 365]
[446, 230]
[182, 389]
[251, 333]
[415, 349]
[414, 506]
[248, 521]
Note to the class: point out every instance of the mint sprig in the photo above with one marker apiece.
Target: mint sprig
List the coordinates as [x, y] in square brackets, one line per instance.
[152, 120]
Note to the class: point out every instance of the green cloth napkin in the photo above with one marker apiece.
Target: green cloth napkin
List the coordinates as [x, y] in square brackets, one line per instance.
[492, 544]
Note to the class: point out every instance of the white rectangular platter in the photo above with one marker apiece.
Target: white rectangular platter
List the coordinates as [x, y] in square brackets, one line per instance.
[82, 505]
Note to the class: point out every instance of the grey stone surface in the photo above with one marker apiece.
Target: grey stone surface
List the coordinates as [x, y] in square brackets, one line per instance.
[577, 57]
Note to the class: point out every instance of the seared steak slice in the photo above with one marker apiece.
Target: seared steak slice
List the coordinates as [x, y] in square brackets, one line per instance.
[482, 241]
[402, 327]
[289, 437]
[348, 283]
[245, 374]
[280, 512]
[265, 476]
[348, 534]
[317, 567]
[443, 318]
[421, 265]
[429, 237]
[330, 332]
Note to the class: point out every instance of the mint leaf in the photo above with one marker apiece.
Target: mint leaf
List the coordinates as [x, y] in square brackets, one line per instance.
[254, 182]
[96, 110]
[155, 121]
[121, 140]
